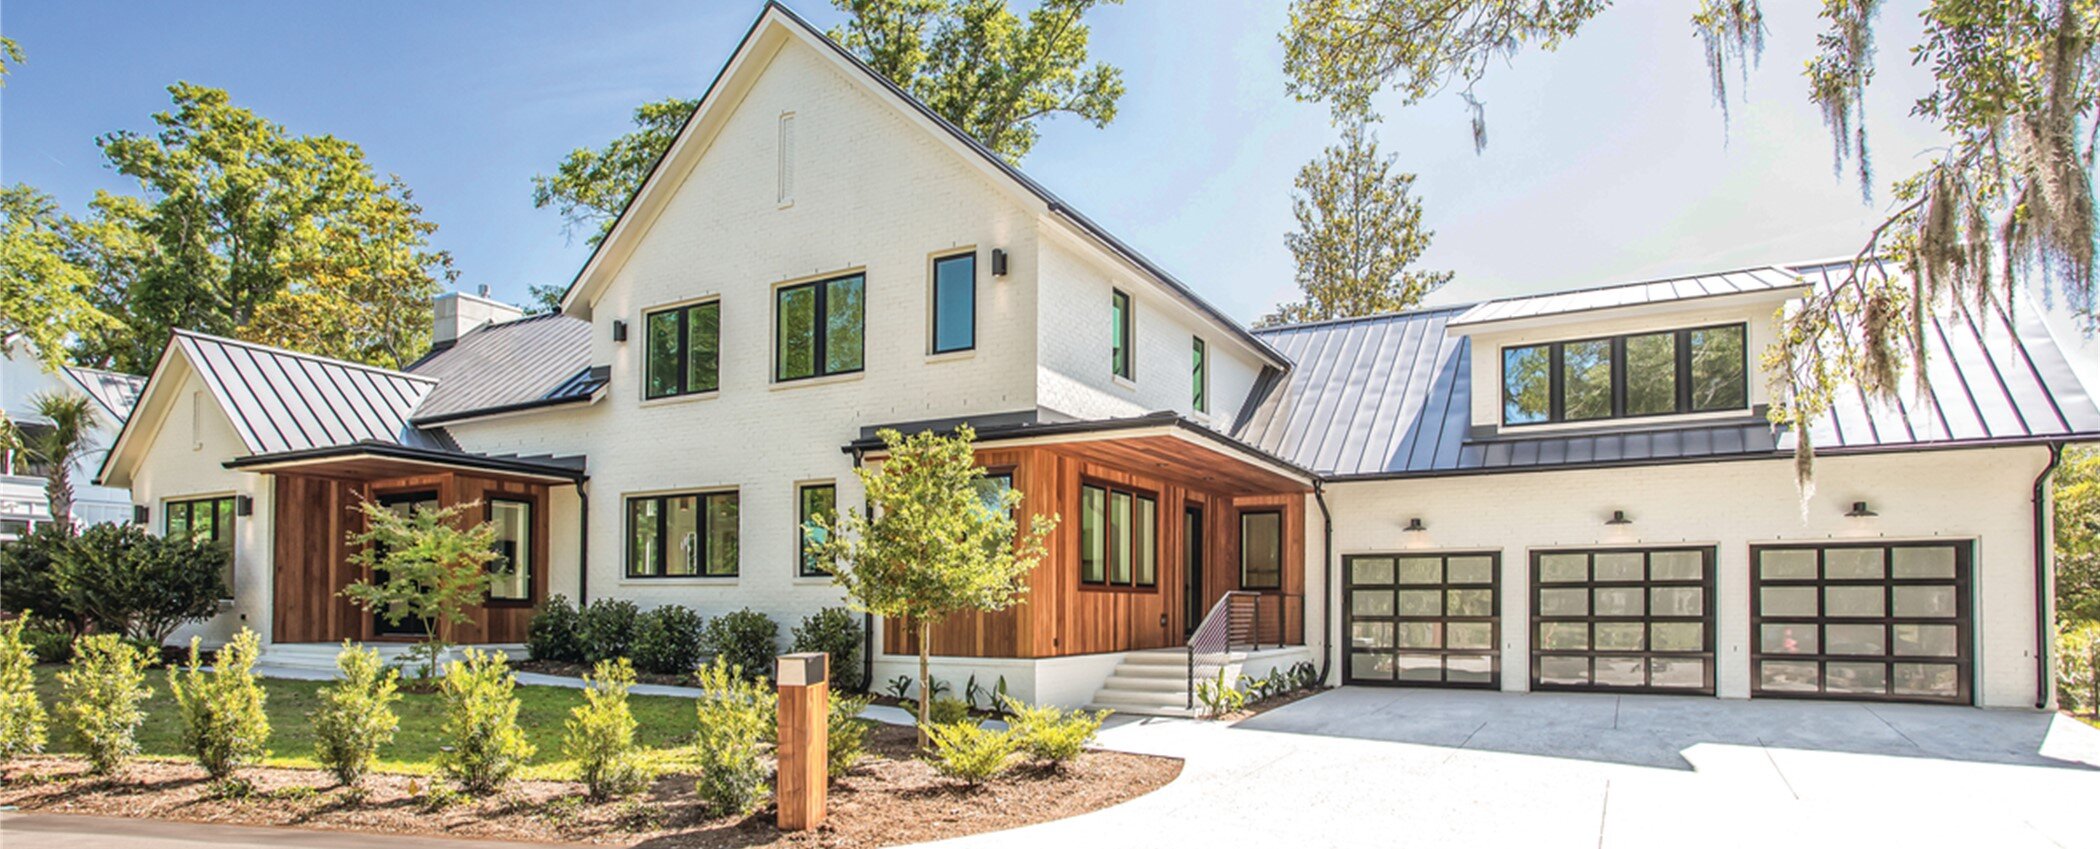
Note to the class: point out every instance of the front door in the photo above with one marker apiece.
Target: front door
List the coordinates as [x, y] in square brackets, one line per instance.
[1192, 568]
[404, 504]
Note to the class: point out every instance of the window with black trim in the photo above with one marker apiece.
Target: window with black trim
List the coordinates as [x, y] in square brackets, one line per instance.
[955, 303]
[819, 328]
[689, 535]
[1261, 550]
[1199, 376]
[1122, 357]
[816, 504]
[1623, 619]
[991, 490]
[1118, 537]
[1698, 370]
[512, 568]
[684, 350]
[205, 520]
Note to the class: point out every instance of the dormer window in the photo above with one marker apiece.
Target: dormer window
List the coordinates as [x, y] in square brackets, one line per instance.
[1699, 370]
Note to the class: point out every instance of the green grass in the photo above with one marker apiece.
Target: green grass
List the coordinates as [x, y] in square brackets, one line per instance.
[665, 725]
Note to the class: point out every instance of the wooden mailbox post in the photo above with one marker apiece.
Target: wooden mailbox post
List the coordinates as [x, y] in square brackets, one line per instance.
[805, 702]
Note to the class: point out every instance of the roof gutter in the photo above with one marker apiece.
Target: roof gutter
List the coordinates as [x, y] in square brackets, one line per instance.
[2043, 628]
[272, 462]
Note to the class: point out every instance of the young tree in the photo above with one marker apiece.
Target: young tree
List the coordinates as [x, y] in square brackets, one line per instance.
[2014, 83]
[1359, 230]
[422, 566]
[356, 715]
[224, 724]
[600, 734]
[935, 547]
[44, 292]
[100, 693]
[56, 447]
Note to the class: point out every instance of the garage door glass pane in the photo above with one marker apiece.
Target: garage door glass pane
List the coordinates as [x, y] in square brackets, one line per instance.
[1786, 638]
[1469, 668]
[1932, 602]
[1371, 667]
[1620, 636]
[1787, 564]
[1788, 601]
[1421, 570]
[1419, 667]
[1855, 639]
[1470, 570]
[1620, 601]
[1564, 670]
[1370, 570]
[1421, 635]
[1564, 635]
[1371, 635]
[1371, 602]
[1677, 601]
[1927, 640]
[1676, 566]
[1421, 603]
[1844, 564]
[1921, 562]
[1676, 672]
[1563, 568]
[1677, 636]
[1788, 676]
[1852, 601]
[1470, 603]
[1927, 679]
[1622, 671]
[1856, 678]
[1469, 635]
[1621, 566]
[1564, 603]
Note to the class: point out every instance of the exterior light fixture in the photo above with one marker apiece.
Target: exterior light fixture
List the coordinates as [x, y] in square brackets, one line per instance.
[998, 262]
[243, 506]
[1859, 511]
[1415, 526]
[1618, 517]
[140, 514]
[619, 330]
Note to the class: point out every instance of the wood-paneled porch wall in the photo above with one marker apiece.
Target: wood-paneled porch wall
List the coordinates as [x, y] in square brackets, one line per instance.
[315, 517]
[1060, 616]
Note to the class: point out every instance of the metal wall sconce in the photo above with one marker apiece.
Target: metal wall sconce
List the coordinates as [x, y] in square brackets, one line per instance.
[1618, 517]
[1415, 526]
[619, 330]
[243, 505]
[998, 262]
[141, 514]
[1859, 511]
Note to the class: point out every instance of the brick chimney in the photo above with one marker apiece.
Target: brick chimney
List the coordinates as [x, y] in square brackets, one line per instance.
[455, 313]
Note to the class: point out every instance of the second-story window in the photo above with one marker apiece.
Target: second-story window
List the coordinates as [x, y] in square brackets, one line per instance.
[685, 350]
[816, 507]
[1698, 370]
[955, 303]
[819, 328]
[1122, 337]
[1199, 377]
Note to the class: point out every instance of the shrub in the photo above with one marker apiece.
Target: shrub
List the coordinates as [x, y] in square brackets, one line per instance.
[670, 640]
[49, 645]
[123, 579]
[748, 639]
[1220, 697]
[356, 715]
[556, 632]
[22, 718]
[845, 735]
[99, 697]
[481, 722]
[736, 718]
[947, 711]
[601, 734]
[29, 581]
[2078, 667]
[967, 752]
[992, 698]
[1049, 734]
[608, 627]
[835, 631]
[223, 723]
[900, 687]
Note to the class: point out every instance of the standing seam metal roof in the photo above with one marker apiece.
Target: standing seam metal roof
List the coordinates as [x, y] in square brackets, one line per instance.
[540, 359]
[283, 401]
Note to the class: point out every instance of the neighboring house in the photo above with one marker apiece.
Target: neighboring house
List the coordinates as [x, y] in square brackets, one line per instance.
[1575, 490]
[23, 376]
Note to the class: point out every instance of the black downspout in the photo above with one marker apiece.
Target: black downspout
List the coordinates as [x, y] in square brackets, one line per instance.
[583, 545]
[867, 620]
[2042, 626]
[1326, 583]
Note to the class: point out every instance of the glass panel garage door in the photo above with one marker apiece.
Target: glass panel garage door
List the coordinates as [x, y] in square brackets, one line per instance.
[1623, 619]
[1423, 619]
[1887, 622]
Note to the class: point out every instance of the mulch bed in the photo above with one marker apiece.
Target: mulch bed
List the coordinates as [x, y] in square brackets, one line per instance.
[891, 798]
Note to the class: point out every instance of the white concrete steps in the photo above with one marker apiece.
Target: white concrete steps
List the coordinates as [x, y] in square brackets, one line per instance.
[318, 659]
[1155, 682]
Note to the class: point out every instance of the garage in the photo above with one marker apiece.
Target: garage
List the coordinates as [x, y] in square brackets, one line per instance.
[1623, 620]
[1423, 619]
[1885, 622]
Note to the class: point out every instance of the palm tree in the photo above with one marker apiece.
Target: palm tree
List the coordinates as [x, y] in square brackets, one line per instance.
[57, 446]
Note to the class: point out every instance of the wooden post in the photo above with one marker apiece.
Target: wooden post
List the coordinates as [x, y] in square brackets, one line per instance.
[805, 703]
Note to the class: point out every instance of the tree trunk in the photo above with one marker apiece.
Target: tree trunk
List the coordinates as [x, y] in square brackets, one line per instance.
[58, 495]
[925, 677]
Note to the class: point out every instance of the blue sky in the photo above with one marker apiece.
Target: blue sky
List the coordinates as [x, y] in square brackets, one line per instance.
[1606, 160]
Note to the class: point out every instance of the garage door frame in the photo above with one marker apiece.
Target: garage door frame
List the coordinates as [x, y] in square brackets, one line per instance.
[1709, 557]
[1963, 621]
[1493, 620]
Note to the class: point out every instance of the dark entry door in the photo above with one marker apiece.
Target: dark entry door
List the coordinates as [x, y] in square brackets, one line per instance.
[404, 504]
[1192, 568]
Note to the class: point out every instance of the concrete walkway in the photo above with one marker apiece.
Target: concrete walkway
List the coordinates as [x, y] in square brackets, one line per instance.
[64, 831]
[1372, 767]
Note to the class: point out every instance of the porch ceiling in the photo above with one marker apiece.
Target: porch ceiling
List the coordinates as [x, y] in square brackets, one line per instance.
[1183, 461]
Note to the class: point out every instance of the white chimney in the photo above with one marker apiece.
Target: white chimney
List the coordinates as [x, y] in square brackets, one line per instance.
[453, 314]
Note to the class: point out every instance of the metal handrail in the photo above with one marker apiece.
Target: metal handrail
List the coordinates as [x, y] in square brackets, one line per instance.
[1233, 620]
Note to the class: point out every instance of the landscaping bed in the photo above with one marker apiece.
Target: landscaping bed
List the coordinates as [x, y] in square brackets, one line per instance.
[892, 797]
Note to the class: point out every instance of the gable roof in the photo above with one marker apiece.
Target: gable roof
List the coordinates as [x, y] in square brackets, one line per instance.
[777, 18]
[522, 364]
[1391, 396]
[1743, 281]
[285, 401]
[116, 391]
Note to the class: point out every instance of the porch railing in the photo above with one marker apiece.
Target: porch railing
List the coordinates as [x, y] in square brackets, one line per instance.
[1232, 622]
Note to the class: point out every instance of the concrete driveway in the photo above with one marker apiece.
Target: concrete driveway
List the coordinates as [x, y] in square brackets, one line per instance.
[1372, 767]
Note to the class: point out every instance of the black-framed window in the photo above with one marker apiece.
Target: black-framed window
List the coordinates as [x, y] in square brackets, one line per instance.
[819, 328]
[1261, 550]
[1623, 619]
[1122, 336]
[1426, 618]
[1118, 537]
[684, 350]
[816, 504]
[992, 487]
[512, 568]
[686, 535]
[1199, 376]
[1872, 620]
[955, 303]
[1697, 370]
[205, 519]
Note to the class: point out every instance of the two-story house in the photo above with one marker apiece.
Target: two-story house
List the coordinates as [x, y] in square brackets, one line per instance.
[1576, 490]
[25, 377]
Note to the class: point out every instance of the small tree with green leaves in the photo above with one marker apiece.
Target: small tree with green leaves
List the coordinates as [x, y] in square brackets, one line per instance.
[601, 734]
[737, 717]
[100, 694]
[224, 724]
[481, 722]
[937, 545]
[22, 719]
[356, 715]
[435, 568]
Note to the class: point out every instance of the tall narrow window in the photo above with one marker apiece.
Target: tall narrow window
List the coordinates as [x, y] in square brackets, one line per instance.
[1122, 336]
[1118, 537]
[955, 303]
[1199, 377]
[1261, 550]
[684, 350]
[1585, 379]
[819, 328]
[785, 177]
[1527, 384]
[1717, 368]
[1093, 542]
[682, 536]
[205, 520]
[512, 568]
[1651, 374]
[816, 505]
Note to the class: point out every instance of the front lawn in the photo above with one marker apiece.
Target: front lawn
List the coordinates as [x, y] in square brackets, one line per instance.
[665, 724]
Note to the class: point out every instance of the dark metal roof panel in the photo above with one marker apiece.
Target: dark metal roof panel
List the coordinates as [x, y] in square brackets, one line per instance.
[115, 391]
[500, 366]
[284, 401]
